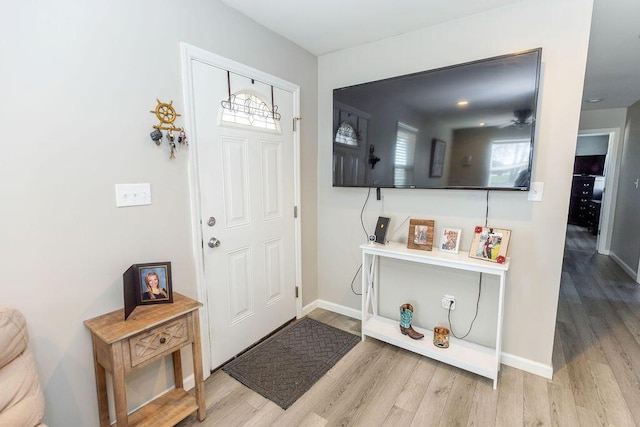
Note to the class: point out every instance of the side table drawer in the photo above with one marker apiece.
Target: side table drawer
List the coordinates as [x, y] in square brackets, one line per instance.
[158, 341]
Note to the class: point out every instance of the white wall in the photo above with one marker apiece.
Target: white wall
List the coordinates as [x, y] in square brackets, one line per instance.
[78, 80]
[610, 118]
[561, 28]
[626, 228]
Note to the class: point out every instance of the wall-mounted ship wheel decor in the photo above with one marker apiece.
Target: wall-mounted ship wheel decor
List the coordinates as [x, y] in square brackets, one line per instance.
[166, 115]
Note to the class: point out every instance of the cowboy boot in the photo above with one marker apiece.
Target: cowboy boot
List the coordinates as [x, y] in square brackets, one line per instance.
[406, 316]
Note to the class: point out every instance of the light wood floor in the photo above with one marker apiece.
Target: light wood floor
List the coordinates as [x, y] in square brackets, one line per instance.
[596, 361]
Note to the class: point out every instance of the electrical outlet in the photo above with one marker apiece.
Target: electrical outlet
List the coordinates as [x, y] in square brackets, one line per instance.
[449, 301]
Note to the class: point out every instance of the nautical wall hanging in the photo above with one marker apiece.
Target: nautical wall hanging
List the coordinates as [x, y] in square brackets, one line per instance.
[166, 115]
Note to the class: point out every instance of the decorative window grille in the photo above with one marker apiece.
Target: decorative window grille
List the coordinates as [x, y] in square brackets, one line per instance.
[347, 135]
[247, 109]
[404, 157]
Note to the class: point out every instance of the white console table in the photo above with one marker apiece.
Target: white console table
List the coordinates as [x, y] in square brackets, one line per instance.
[466, 355]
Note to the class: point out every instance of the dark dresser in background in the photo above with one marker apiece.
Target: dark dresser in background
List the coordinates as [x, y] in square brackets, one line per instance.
[586, 201]
[593, 215]
[581, 195]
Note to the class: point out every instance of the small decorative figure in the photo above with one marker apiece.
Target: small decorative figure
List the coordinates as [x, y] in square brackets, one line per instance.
[373, 159]
[156, 136]
[406, 317]
[441, 337]
[182, 138]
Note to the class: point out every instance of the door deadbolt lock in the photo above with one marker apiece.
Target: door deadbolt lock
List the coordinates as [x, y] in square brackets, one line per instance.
[211, 221]
[213, 242]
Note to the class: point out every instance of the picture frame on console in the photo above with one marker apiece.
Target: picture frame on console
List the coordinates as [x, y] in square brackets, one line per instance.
[146, 284]
[450, 240]
[490, 244]
[421, 233]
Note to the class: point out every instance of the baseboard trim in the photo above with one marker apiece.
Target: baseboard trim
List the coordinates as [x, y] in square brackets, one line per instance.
[631, 272]
[337, 308]
[189, 382]
[527, 365]
[517, 362]
[309, 308]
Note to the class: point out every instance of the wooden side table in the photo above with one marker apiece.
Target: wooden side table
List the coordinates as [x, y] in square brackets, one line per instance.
[150, 333]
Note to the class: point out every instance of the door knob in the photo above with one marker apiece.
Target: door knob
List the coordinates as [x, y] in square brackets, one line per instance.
[213, 242]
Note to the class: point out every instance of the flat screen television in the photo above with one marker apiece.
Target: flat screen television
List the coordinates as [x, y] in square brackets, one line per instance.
[467, 126]
[589, 165]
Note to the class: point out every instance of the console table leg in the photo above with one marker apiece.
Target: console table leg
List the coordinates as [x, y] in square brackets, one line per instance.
[101, 387]
[196, 349]
[503, 280]
[119, 388]
[177, 369]
[370, 277]
[363, 294]
[372, 285]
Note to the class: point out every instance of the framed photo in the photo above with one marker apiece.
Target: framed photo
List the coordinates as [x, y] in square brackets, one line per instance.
[490, 244]
[438, 148]
[421, 234]
[450, 240]
[147, 284]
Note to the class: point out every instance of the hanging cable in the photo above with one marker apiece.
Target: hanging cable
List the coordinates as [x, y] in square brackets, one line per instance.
[486, 214]
[474, 317]
[354, 279]
[486, 222]
[366, 236]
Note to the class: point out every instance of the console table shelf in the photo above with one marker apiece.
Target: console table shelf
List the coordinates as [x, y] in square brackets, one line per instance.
[463, 354]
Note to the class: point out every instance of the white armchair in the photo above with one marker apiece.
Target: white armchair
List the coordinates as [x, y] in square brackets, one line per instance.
[21, 398]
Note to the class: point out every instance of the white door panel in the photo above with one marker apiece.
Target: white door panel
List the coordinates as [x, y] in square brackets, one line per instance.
[247, 182]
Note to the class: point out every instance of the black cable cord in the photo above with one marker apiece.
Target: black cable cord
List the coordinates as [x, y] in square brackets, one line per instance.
[486, 214]
[366, 236]
[354, 279]
[486, 221]
[474, 317]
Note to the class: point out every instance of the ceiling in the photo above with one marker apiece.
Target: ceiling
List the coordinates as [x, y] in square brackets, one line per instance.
[613, 61]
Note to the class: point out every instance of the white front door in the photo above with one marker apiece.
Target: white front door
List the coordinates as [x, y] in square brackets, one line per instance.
[247, 196]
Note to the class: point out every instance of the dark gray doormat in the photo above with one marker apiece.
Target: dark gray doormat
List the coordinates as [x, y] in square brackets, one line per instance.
[287, 364]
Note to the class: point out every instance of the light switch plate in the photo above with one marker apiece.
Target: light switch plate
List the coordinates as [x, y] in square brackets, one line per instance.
[535, 192]
[133, 195]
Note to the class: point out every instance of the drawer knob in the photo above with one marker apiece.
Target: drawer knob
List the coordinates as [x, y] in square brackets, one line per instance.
[163, 340]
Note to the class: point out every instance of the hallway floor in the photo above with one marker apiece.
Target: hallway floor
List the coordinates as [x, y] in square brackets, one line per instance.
[596, 363]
